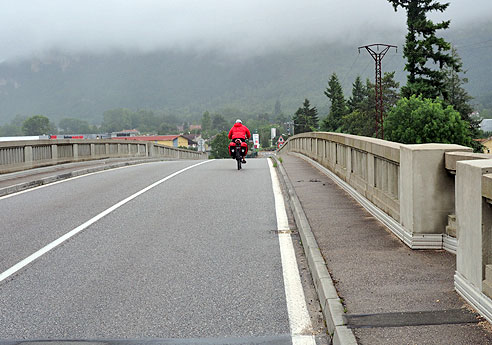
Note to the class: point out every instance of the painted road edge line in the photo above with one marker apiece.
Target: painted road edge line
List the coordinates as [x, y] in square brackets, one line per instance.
[327, 294]
[83, 226]
[299, 320]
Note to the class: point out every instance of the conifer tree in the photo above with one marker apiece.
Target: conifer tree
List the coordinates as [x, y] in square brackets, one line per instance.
[358, 95]
[338, 107]
[422, 46]
[306, 118]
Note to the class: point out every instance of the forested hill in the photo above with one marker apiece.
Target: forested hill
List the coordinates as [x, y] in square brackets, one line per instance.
[187, 84]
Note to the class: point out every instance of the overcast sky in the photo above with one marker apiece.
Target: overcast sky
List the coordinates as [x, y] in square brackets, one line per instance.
[34, 27]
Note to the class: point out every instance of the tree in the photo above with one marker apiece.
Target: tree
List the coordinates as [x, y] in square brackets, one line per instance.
[422, 46]
[116, 120]
[362, 117]
[277, 110]
[74, 126]
[338, 107]
[38, 125]
[305, 118]
[219, 147]
[219, 123]
[419, 120]
[458, 97]
[166, 128]
[358, 123]
[359, 95]
[206, 122]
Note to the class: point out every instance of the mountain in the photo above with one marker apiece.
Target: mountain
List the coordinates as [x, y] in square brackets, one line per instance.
[188, 84]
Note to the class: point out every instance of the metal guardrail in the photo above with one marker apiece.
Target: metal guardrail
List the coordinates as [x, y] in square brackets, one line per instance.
[22, 155]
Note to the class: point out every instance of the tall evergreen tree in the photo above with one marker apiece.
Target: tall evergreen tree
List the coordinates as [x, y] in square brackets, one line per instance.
[362, 117]
[338, 107]
[422, 46]
[459, 98]
[306, 118]
[359, 95]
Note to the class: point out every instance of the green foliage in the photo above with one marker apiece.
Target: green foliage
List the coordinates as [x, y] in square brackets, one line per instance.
[358, 123]
[362, 118]
[306, 118]
[76, 126]
[359, 95]
[116, 120]
[38, 125]
[206, 122]
[422, 47]
[219, 147]
[166, 128]
[338, 107]
[219, 123]
[419, 120]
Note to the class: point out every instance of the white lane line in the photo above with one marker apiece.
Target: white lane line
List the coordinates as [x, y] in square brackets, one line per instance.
[301, 328]
[66, 180]
[78, 229]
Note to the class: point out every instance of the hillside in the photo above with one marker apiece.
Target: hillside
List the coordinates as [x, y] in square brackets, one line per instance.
[187, 84]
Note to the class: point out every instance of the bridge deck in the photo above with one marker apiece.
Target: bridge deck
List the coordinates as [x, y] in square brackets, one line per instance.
[375, 273]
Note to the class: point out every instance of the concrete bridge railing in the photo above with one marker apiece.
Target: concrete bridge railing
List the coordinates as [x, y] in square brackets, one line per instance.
[438, 195]
[407, 182]
[22, 155]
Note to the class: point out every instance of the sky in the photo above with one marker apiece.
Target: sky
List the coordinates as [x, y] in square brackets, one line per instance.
[239, 27]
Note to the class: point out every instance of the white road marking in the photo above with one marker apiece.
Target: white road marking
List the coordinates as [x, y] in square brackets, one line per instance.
[78, 229]
[300, 323]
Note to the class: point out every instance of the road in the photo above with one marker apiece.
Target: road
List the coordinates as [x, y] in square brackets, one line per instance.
[168, 250]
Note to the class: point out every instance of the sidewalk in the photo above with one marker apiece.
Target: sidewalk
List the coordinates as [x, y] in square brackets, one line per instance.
[409, 293]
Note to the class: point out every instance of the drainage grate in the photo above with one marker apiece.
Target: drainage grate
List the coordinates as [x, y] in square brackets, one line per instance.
[419, 318]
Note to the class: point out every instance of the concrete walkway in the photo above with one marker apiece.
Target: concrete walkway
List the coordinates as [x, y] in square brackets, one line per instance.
[375, 273]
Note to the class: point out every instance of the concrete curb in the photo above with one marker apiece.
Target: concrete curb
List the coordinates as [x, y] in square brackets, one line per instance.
[330, 302]
[63, 176]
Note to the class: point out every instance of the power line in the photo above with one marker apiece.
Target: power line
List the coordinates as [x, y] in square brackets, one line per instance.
[378, 57]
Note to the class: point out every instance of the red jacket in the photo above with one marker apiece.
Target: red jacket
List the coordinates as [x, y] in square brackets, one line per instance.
[239, 131]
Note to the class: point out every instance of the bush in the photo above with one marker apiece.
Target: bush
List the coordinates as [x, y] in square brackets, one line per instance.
[420, 120]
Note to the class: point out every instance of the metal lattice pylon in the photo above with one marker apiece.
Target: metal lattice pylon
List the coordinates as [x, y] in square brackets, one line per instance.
[378, 57]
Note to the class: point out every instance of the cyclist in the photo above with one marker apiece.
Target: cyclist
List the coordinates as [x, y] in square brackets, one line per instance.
[239, 131]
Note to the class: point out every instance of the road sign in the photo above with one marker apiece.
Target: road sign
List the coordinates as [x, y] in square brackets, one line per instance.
[256, 141]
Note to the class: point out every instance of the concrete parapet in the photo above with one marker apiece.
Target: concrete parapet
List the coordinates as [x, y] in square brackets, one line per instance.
[426, 189]
[409, 183]
[474, 228]
[22, 155]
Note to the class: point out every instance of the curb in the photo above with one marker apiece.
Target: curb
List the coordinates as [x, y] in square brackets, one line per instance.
[331, 305]
[50, 179]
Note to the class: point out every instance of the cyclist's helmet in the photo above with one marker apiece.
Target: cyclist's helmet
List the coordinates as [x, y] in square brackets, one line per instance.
[239, 121]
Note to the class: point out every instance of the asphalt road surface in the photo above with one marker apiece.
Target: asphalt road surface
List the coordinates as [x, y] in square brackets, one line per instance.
[154, 254]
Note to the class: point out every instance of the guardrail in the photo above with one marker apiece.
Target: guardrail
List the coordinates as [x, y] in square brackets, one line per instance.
[22, 155]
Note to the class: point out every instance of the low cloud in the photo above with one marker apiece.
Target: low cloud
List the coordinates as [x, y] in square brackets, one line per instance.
[244, 28]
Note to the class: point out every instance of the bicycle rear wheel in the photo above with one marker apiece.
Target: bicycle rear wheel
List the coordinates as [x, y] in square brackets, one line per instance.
[238, 159]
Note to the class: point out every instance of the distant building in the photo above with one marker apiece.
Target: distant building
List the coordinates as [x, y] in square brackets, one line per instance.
[167, 140]
[486, 125]
[195, 128]
[126, 133]
[487, 144]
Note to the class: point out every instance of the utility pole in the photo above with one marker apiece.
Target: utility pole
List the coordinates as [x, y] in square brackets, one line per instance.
[378, 57]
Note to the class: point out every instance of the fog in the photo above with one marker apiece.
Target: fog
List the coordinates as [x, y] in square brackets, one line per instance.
[239, 27]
